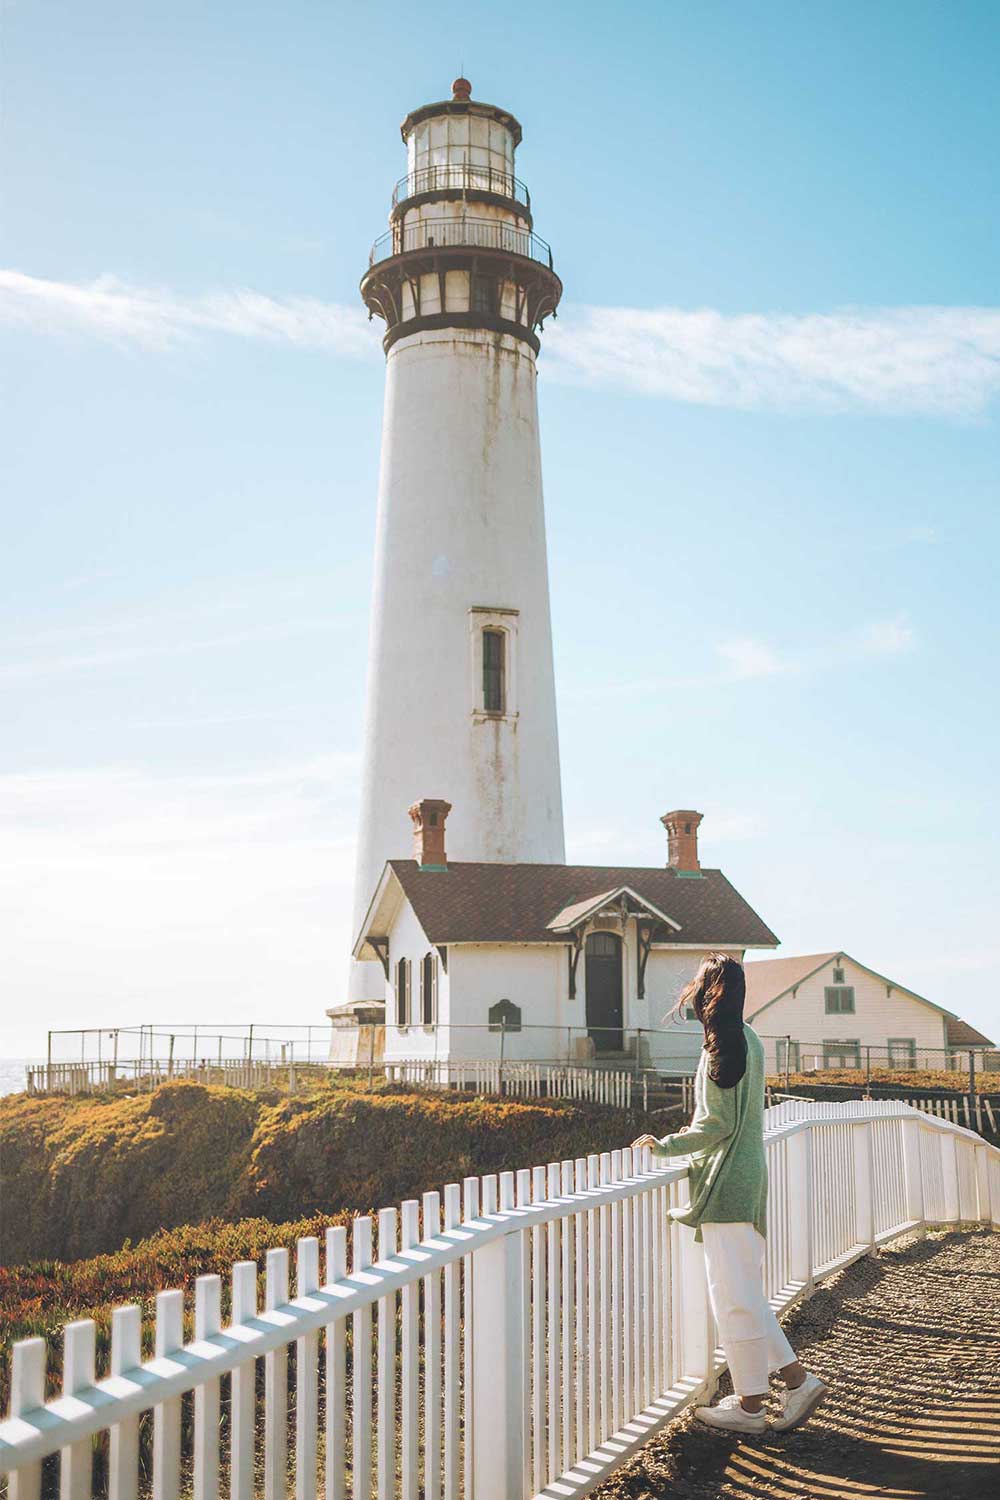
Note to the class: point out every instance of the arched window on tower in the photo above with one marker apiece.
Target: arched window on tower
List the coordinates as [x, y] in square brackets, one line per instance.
[403, 992]
[494, 671]
[428, 989]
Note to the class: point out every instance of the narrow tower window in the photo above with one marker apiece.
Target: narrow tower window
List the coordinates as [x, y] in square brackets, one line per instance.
[403, 992]
[494, 672]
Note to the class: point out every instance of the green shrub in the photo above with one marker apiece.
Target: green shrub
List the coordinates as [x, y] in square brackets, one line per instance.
[81, 1177]
[362, 1151]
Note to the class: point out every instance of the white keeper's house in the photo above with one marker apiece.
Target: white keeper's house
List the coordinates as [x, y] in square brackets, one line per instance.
[574, 962]
[830, 1011]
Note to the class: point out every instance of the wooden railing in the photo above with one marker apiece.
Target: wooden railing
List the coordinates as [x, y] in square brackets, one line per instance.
[520, 1336]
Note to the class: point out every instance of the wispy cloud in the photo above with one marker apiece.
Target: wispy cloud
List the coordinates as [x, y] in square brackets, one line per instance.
[919, 535]
[887, 637]
[939, 361]
[28, 668]
[934, 360]
[112, 310]
[748, 658]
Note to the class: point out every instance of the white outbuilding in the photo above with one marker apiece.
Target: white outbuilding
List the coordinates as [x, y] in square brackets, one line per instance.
[827, 1010]
[556, 962]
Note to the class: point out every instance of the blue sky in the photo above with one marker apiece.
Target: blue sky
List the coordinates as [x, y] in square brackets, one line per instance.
[769, 414]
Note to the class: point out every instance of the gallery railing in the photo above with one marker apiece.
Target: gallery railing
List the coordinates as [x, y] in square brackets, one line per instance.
[483, 234]
[462, 177]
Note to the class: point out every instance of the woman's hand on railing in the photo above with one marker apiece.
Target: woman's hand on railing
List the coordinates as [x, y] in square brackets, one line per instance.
[645, 1140]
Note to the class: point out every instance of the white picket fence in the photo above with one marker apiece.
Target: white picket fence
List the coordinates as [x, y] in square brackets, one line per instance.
[517, 1080]
[550, 1321]
[955, 1108]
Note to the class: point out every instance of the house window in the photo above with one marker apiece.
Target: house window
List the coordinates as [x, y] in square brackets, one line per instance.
[428, 989]
[793, 1061]
[842, 1054]
[494, 671]
[504, 1016]
[838, 976]
[403, 992]
[839, 999]
[902, 1052]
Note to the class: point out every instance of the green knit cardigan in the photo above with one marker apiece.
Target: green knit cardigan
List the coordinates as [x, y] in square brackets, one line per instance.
[727, 1170]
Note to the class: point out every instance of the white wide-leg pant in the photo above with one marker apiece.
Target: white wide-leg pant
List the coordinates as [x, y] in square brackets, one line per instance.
[749, 1332]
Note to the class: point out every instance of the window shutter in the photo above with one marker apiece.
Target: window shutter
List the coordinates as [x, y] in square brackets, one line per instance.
[423, 991]
[434, 990]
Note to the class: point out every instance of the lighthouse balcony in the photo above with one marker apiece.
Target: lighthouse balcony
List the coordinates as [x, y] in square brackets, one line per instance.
[479, 234]
[455, 179]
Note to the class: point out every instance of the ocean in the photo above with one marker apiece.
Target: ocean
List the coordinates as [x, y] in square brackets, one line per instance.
[12, 1073]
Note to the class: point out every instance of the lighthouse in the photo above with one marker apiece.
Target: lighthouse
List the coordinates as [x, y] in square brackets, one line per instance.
[461, 692]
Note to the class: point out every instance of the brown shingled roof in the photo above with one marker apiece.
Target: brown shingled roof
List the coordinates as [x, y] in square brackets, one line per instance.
[493, 903]
[961, 1034]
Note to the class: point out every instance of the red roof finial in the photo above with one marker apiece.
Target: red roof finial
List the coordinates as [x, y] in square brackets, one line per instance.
[461, 89]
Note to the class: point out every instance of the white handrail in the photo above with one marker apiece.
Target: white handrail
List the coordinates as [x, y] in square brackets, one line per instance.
[568, 1332]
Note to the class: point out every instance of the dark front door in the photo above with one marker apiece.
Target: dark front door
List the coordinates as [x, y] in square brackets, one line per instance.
[604, 991]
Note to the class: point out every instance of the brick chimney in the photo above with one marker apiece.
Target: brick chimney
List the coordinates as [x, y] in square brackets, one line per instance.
[682, 839]
[428, 833]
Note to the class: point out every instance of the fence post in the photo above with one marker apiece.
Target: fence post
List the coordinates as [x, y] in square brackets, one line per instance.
[27, 1391]
[800, 1204]
[497, 1370]
[912, 1174]
[697, 1326]
[984, 1210]
[864, 1184]
[949, 1176]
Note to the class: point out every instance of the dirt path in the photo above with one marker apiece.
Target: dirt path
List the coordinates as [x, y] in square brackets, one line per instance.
[909, 1342]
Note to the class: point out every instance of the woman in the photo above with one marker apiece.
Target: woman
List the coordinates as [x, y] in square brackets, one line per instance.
[727, 1174]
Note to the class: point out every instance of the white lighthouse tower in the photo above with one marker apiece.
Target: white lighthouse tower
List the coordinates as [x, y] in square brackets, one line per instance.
[461, 692]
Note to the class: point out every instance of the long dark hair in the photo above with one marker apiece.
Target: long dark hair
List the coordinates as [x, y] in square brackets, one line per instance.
[716, 994]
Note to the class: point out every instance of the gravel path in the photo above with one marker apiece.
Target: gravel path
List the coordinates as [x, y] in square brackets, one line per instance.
[909, 1342]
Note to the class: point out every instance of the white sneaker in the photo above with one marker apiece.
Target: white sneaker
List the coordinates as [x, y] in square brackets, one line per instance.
[798, 1406]
[730, 1414]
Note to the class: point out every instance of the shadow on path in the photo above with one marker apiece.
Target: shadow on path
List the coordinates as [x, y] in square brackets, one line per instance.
[909, 1343]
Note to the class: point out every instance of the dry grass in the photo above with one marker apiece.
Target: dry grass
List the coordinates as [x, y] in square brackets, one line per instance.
[956, 1081]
